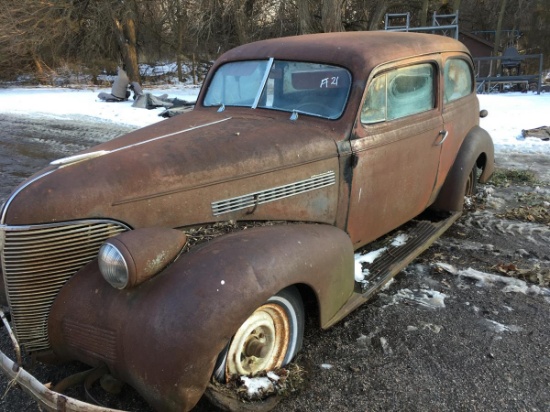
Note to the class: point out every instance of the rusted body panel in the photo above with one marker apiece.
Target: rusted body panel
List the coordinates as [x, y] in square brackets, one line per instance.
[477, 141]
[169, 175]
[347, 180]
[155, 318]
[390, 163]
[459, 117]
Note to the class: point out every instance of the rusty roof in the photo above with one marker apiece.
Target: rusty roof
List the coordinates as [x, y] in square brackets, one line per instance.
[358, 51]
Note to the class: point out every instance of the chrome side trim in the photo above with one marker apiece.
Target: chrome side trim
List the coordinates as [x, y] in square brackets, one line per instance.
[272, 194]
[74, 159]
[78, 158]
[169, 135]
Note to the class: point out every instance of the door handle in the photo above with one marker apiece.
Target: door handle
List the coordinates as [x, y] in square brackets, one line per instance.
[443, 133]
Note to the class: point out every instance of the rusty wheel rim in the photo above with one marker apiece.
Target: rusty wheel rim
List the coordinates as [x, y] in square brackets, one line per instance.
[260, 343]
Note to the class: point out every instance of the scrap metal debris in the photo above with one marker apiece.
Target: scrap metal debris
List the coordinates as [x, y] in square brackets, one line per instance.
[542, 133]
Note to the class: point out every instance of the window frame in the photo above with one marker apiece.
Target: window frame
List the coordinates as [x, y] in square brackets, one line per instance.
[467, 75]
[434, 75]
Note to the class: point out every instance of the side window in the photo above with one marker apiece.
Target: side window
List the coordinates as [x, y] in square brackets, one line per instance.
[399, 93]
[374, 108]
[458, 79]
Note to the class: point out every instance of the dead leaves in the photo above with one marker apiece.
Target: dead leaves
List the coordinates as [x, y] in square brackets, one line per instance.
[536, 274]
[533, 214]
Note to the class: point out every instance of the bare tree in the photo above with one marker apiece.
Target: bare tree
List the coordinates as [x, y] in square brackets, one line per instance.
[40, 35]
[304, 17]
[331, 15]
[123, 18]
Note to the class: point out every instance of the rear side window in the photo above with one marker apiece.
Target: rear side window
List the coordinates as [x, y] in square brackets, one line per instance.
[400, 93]
[458, 79]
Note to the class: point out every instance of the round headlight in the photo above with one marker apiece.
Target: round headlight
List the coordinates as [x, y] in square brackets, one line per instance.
[113, 266]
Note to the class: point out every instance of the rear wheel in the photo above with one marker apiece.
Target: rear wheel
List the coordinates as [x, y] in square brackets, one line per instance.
[267, 340]
[471, 182]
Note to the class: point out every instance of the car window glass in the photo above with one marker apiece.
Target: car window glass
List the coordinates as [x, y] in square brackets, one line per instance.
[236, 84]
[310, 88]
[410, 90]
[399, 93]
[374, 108]
[458, 79]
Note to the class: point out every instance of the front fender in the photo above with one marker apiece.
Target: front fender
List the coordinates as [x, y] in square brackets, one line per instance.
[478, 148]
[163, 337]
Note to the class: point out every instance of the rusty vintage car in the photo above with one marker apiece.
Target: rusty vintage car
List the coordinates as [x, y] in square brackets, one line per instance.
[299, 152]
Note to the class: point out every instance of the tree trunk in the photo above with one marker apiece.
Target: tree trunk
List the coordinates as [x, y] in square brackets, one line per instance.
[240, 20]
[179, 42]
[126, 39]
[424, 13]
[498, 31]
[378, 15]
[331, 16]
[456, 6]
[304, 17]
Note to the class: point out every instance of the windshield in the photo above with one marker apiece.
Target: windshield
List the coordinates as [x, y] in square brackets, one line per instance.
[310, 88]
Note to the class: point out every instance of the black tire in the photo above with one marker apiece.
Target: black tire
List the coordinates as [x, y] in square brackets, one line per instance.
[285, 307]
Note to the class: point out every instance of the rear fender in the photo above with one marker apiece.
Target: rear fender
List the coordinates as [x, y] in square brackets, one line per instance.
[163, 337]
[477, 149]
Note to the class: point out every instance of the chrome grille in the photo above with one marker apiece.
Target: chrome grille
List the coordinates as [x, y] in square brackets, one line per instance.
[273, 194]
[37, 261]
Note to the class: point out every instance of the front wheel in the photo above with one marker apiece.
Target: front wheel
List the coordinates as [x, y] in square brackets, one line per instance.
[267, 340]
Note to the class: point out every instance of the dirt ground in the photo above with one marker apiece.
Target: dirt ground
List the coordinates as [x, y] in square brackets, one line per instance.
[444, 336]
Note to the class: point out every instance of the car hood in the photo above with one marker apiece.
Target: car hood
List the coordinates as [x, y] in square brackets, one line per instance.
[170, 173]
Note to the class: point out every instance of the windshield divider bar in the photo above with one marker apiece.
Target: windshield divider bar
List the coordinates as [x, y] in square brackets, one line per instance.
[264, 81]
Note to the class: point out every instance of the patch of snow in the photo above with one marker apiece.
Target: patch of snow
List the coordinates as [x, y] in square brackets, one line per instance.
[83, 104]
[431, 327]
[499, 327]
[273, 376]
[509, 114]
[256, 387]
[385, 346]
[428, 298]
[388, 284]
[400, 240]
[489, 279]
[362, 340]
[360, 273]
[372, 256]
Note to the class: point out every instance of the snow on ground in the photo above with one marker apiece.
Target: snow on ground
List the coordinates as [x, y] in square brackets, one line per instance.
[509, 113]
[512, 285]
[83, 104]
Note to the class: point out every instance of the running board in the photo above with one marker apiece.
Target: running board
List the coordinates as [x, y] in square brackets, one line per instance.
[420, 235]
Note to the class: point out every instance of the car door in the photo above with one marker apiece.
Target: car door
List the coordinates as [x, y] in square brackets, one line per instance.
[396, 148]
[460, 106]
